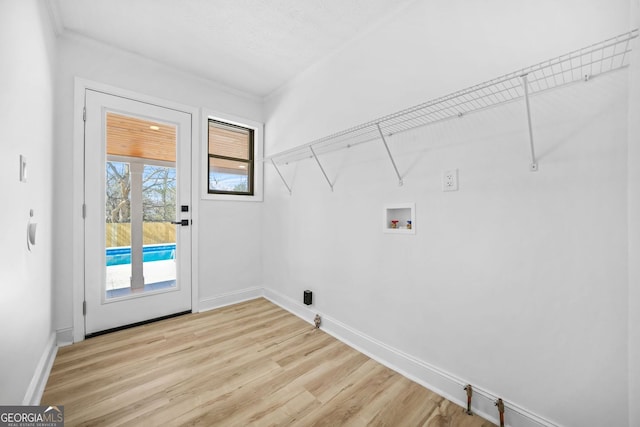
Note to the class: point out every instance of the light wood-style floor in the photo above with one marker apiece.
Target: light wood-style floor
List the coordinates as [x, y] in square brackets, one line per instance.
[248, 364]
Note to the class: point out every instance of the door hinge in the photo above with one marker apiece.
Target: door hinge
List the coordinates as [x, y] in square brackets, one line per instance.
[84, 308]
[84, 114]
[84, 211]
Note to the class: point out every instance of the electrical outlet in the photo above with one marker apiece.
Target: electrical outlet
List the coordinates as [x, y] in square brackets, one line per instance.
[450, 180]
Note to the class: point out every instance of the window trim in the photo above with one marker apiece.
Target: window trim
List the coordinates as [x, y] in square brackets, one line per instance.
[256, 155]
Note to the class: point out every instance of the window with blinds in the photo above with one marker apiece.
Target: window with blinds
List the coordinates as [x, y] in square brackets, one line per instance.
[230, 159]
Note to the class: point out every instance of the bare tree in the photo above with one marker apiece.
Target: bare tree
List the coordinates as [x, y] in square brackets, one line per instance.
[118, 189]
[158, 193]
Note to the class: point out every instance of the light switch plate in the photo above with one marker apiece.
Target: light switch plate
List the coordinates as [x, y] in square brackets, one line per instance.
[23, 168]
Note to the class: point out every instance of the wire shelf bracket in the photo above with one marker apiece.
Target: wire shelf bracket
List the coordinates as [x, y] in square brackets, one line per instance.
[384, 141]
[578, 66]
[281, 177]
[321, 168]
[534, 164]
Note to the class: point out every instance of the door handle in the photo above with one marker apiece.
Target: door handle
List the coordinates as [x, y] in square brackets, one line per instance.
[183, 222]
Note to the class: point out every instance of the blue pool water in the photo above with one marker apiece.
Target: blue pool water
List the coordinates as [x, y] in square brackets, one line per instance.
[122, 255]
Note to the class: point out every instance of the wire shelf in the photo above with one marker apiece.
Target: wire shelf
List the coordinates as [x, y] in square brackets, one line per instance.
[581, 64]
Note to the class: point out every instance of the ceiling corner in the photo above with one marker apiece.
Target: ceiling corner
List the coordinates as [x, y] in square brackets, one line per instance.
[53, 7]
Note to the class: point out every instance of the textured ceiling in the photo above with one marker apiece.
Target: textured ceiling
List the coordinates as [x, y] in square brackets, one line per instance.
[254, 46]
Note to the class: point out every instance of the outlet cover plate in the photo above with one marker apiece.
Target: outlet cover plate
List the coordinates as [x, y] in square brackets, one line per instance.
[450, 180]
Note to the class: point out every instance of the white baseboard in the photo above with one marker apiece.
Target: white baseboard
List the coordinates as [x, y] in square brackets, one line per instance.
[64, 337]
[429, 376]
[229, 298]
[41, 374]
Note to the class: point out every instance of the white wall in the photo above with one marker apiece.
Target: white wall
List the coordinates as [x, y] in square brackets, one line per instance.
[516, 283]
[90, 60]
[27, 49]
[634, 225]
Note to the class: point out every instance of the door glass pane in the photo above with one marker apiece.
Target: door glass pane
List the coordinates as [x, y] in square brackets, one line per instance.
[159, 234]
[118, 226]
[140, 206]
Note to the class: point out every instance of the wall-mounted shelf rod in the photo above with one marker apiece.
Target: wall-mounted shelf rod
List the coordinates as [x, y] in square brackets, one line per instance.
[577, 66]
[321, 168]
[384, 141]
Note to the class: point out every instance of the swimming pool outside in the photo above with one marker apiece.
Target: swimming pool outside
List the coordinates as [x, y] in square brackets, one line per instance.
[122, 255]
[159, 266]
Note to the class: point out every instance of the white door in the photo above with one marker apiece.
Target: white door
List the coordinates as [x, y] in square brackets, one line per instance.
[137, 220]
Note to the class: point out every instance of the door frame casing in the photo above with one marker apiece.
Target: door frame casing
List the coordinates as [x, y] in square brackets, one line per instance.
[80, 87]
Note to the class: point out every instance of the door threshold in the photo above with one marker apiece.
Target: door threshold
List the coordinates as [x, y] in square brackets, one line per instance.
[133, 325]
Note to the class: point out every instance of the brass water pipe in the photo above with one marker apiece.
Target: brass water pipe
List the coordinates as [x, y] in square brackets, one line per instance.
[469, 391]
[500, 404]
